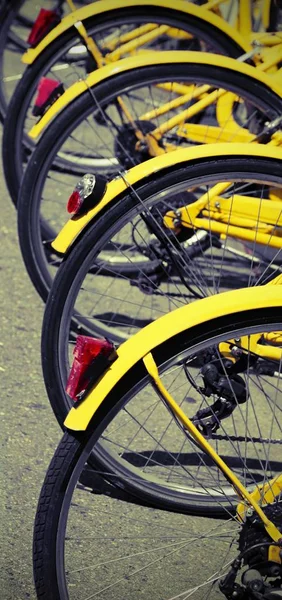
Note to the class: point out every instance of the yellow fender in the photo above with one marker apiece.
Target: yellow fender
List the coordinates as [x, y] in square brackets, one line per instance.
[143, 60]
[74, 226]
[161, 330]
[105, 8]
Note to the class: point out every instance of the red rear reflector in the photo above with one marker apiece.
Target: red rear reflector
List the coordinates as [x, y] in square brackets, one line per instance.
[45, 22]
[89, 190]
[87, 353]
[74, 202]
[48, 90]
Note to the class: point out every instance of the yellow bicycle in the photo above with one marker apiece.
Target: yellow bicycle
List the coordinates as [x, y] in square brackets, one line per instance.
[188, 502]
[248, 102]
[100, 33]
[92, 36]
[123, 265]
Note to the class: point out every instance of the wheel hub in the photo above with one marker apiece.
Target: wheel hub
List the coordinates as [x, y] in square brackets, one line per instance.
[253, 533]
[262, 580]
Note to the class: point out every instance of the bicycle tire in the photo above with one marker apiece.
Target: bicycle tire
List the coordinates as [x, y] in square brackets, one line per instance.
[32, 229]
[14, 123]
[73, 451]
[72, 274]
[7, 15]
[10, 15]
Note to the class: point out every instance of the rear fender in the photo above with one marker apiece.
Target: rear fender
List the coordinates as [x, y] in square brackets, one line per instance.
[138, 346]
[105, 8]
[117, 187]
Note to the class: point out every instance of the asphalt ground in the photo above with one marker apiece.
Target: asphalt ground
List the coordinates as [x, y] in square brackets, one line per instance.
[29, 432]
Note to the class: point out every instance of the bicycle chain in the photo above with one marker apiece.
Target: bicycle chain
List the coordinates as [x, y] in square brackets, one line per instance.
[240, 438]
[172, 295]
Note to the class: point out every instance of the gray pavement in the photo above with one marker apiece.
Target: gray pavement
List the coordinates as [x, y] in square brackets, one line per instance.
[29, 432]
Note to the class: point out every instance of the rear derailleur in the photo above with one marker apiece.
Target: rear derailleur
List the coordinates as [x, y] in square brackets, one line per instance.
[220, 378]
[254, 585]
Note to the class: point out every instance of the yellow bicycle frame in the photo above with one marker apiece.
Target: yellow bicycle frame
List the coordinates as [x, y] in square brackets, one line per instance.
[117, 187]
[241, 217]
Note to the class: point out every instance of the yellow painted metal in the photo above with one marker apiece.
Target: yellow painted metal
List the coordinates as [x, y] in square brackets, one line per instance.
[136, 62]
[276, 139]
[274, 338]
[90, 43]
[209, 134]
[253, 344]
[212, 4]
[263, 495]
[224, 113]
[265, 13]
[275, 194]
[130, 35]
[134, 41]
[188, 214]
[138, 346]
[178, 34]
[74, 226]
[262, 345]
[193, 110]
[266, 39]
[71, 5]
[226, 121]
[131, 46]
[266, 349]
[274, 554]
[173, 88]
[249, 235]
[154, 149]
[254, 210]
[246, 218]
[245, 18]
[269, 352]
[100, 61]
[239, 488]
[102, 7]
[193, 92]
[271, 58]
[228, 131]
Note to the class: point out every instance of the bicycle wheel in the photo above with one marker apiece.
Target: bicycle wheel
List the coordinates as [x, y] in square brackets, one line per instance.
[79, 129]
[90, 294]
[16, 18]
[66, 60]
[142, 550]
[7, 18]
